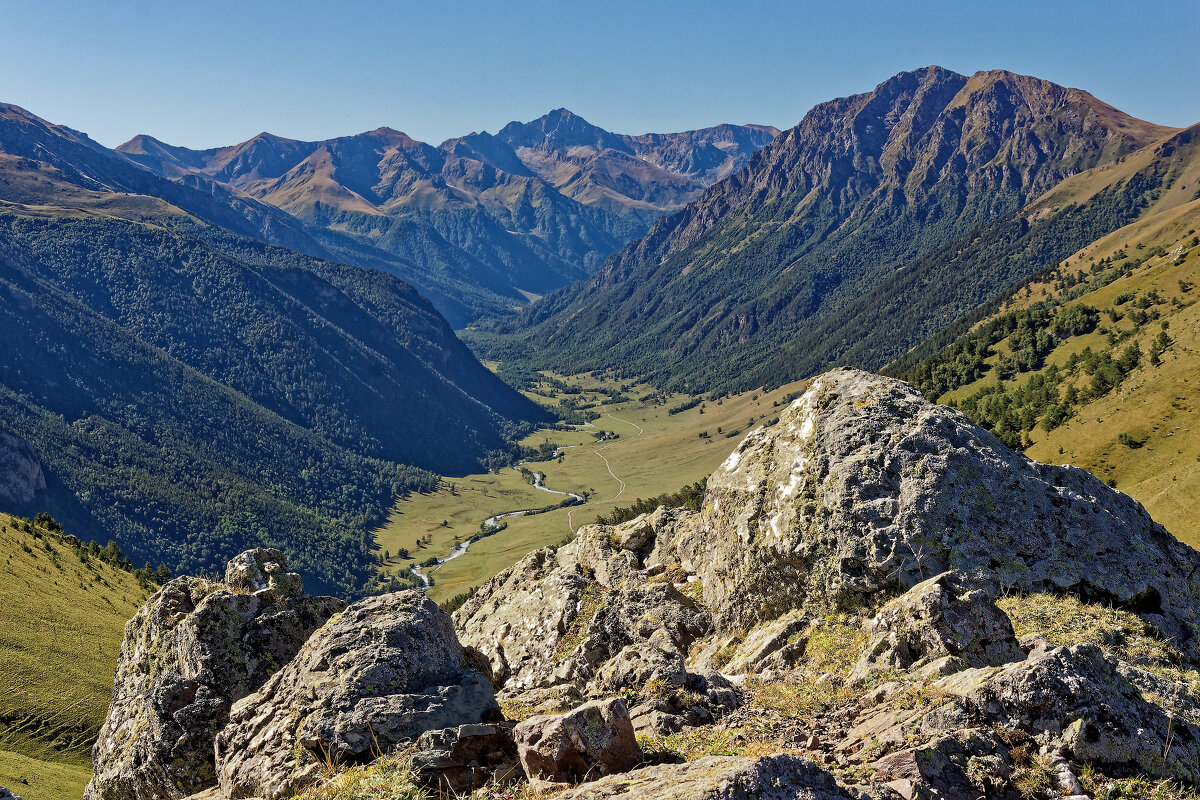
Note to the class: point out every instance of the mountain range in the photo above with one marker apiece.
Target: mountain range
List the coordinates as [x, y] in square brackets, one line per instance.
[480, 223]
[877, 221]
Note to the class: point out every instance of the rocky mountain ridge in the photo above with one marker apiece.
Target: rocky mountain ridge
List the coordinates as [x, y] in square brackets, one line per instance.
[823, 249]
[913, 640]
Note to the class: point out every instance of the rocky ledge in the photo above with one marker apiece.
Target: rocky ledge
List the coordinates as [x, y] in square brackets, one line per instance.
[877, 600]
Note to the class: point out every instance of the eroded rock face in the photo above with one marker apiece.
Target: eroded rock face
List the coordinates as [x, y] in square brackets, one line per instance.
[864, 486]
[21, 476]
[193, 649]
[381, 673]
[937, 619]
[776, 777]
[591, 741]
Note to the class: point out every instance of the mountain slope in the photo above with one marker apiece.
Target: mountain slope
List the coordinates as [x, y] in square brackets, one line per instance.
[64, 611]
[509, 220]
[189, 390]
[838, 208]
[1094, 361]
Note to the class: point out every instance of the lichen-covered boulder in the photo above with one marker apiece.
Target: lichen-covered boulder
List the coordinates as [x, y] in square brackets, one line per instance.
[6, 794]
[1076, 701]
[937, 619]
[775, 777]
[193, 649]
[864, 486]
[381, 673]
[589, 742]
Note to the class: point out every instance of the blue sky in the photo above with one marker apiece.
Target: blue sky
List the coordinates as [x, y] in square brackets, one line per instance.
[203, 74]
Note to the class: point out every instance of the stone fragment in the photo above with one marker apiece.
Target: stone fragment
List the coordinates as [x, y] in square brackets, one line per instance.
[592, 741]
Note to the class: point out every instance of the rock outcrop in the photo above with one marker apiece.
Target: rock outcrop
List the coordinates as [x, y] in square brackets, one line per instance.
[864, 487]
[6, 794]
[193, 649]
[21, 476]
[938, 619]
[595, 617]
[589, 742]
[381, 673]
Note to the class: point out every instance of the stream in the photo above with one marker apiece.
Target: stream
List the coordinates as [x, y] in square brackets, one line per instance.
[491, 522]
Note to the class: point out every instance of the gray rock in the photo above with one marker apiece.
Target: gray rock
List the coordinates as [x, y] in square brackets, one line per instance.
[776, 777]
[459, 760]
[6, 794]
[864, 486]
[592, 741]
[558, 615]
[191, 651]
[936, 619]
[21, 476]
[381, 673]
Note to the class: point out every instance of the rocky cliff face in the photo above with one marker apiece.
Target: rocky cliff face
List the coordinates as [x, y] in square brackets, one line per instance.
[877, 601]
[21, 475]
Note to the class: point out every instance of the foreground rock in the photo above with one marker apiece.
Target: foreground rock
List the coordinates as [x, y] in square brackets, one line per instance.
[380, 674]
[6, 794]
[865, 487]
[592, 741]
[193, 649]
[777, 777]
[458, 760]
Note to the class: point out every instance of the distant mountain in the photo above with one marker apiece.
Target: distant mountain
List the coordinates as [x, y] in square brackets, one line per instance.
[512, 215]
[190, 390]
[840, 233]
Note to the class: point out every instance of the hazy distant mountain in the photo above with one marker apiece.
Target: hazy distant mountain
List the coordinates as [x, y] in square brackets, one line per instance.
[524, 212]
[790, 264]
[191, 390]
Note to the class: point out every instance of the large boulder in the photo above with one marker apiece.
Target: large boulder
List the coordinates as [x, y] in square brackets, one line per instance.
[592, 741]
[864, 486]
[775, 777]
[191, 651]
[381, 673]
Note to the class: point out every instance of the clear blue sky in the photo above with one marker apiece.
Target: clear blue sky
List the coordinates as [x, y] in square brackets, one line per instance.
[203, 74]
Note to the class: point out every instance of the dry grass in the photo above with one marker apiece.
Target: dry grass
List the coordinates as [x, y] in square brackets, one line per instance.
[392, 778]
[1065, 620]
[695, 743]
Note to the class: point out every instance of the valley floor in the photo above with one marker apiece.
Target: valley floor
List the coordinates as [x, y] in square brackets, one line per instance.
[655, 452]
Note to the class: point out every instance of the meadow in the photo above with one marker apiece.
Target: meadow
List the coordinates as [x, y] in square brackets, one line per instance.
[63, 623]
[655, 451]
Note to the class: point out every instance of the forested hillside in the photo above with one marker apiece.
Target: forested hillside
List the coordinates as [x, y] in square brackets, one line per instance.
[191, 392]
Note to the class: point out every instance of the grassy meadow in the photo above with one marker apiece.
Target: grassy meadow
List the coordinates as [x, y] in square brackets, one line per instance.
[63, 624]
